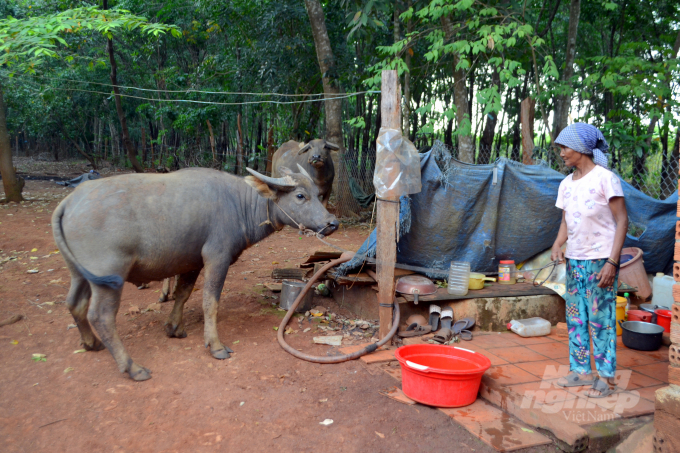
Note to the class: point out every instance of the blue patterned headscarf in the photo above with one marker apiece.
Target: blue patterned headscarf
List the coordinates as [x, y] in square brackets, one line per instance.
[585, 139]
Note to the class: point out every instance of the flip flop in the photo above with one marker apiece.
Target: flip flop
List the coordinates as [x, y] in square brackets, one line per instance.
[574, 380]
[415, 330]
[602, 387]
[465, 333]
[447, 318]
[435, 313]
[443, 336]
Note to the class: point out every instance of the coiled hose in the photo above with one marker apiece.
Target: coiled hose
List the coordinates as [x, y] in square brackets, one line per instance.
[334, 359]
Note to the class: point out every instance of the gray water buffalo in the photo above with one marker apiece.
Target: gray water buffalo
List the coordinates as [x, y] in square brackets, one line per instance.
[147, 227]
[314, 157]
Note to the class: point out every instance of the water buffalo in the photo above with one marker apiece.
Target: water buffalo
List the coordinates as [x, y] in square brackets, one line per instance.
[314, 157]
[147, 227]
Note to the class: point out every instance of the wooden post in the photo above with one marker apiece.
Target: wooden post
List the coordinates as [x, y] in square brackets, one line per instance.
[388, 211]
[528, 107]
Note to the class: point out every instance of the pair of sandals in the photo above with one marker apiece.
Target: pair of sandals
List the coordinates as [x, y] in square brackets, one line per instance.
[599, 385]
[449, 329]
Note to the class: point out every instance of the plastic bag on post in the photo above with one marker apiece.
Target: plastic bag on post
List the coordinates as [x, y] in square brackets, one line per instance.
[397, 166]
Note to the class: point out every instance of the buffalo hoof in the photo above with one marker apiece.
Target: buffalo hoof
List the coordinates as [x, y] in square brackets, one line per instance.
[139, 373]
[221, 353]
[165, 298]
[175, 331]
[94, 345]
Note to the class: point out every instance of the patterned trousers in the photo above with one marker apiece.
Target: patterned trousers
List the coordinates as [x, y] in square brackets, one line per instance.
[591, 312]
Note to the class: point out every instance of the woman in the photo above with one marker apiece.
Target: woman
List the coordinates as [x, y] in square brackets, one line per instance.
[594, 225]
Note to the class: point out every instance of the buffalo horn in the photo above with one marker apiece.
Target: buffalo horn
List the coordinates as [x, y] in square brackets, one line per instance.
[332, 146]
[304, 172]
[284, 183]
[305, 148]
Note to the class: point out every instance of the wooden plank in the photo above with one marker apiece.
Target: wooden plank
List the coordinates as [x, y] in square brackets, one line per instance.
[494, 290]
[527, 119]
[289, 272]
[321, 255]
[388, 211]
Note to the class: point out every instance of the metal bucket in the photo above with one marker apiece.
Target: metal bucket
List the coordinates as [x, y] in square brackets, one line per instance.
[289, 292]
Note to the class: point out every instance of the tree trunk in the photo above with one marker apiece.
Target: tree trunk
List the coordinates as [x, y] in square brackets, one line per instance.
[239, 147]
[486, 143]
[331, 89]
[460, 94]
[127, 143]
[10, 181]
[563, 102]
[271, 149]
[527, 111]
[212, 142]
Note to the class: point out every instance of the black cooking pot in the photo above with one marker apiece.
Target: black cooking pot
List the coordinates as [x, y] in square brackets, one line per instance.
[642, 336]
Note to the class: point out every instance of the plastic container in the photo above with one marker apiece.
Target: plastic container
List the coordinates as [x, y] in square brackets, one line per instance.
[620, 313]
[663, 318]
[507, 272]
[441, 376]
[632, 273]
[532, 327]
[637, 315]
[459, 278]
[662, 287]
[627, 296]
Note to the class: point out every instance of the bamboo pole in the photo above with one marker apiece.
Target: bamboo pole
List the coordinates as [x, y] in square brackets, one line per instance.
[388, 210]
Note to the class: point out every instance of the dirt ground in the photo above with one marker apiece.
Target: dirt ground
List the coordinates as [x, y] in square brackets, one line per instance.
[262, 398]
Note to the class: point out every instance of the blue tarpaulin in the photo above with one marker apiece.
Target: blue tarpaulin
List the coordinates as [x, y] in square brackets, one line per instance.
[506, 210]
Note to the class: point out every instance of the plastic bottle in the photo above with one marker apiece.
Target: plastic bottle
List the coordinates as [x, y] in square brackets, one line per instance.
[627, 296]
[459, 278]
[532, 327]
[662, 290]
[507, 272]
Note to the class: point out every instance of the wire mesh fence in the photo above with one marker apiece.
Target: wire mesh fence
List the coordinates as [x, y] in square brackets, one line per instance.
[656, 177]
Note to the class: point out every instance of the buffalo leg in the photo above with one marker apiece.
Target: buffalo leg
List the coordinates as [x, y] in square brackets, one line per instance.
[102, 314]
[214, 281]
[184, 285]
[165, 291]
[78, 301]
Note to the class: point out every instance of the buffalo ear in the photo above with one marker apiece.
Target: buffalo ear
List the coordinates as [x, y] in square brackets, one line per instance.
[261, 187]
[305, 148]
[331, 146]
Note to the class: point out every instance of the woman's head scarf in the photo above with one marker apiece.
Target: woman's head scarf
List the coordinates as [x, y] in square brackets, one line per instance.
[585, 139]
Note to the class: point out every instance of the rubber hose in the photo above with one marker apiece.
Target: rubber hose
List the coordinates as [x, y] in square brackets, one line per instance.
[334, 359]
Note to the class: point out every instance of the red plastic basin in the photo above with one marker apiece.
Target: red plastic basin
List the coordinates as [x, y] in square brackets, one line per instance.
[663, 318]
[441, 376]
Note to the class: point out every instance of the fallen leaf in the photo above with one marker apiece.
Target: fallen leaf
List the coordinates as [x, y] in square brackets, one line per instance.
[326, 422]
[15, 342]
[276, 328]
[34, 250]
[236, 342]
[68, 369]
[79, 351]
[307, 330]
[34, 257]
[527, 430]
[40, 356]
[323, 400]
[275, 262]
[380, 435]
[242, 403]
[32, 271]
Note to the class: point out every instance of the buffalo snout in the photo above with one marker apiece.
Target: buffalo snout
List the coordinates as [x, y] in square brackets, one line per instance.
[331, 228]
[316, 160]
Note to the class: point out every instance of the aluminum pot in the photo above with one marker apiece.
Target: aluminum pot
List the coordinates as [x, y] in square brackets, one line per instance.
[289, 292]
[642, 336]
[416, 285]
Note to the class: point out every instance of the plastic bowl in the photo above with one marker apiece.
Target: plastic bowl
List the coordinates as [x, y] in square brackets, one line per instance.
[441, 376]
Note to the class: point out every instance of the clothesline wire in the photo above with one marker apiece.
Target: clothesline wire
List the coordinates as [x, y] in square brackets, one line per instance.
[226, 93]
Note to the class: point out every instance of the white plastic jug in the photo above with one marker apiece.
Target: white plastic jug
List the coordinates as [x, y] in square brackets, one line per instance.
[662, 290]
[532, 327]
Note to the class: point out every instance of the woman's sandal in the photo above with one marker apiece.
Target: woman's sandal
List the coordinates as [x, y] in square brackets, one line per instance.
[575, 380]
[601, 386]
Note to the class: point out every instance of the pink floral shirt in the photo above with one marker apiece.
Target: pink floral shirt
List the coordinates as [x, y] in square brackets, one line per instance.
[590, 222]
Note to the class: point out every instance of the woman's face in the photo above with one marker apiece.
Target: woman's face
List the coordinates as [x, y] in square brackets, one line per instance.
[570, 157]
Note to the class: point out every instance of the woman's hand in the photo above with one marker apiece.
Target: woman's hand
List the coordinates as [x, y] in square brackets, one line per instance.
[606, 276]
[557, 253]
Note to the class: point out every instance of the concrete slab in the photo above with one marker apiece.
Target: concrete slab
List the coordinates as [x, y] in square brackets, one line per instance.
[495, 427]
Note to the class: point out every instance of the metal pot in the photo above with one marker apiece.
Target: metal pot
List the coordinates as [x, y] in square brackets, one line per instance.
[416, 285]
[642, 336]
[289, 292]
